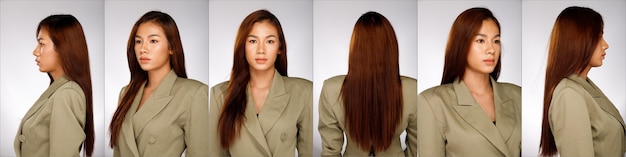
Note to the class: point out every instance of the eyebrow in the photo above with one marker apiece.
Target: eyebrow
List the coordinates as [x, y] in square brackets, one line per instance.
[484, 35]
[151, 35]
[254, 36]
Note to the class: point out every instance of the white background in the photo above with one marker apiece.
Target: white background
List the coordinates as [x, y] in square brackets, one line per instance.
[435, 19]
[333, 22]
[538, 19]
[192, 20]
[21, 81]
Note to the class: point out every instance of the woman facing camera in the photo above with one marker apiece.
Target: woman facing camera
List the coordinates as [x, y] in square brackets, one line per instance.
[61, 120]
[578, 119]
[470, 113]
[260, 111]
[160, 111]
[372, 104]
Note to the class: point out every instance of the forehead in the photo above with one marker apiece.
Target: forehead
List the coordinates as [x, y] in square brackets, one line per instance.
[264, 27]
[149, 28]
[489, 26]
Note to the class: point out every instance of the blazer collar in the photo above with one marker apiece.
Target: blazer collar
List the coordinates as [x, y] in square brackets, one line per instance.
[46, 94]
[274, 106]
[598, 97]
[473, 114]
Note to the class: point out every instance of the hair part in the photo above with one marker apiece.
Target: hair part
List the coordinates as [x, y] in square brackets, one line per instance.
[372, 89]
[464, 29]
[69, 41]
[233, 114]
[574, 38]
[137, 75]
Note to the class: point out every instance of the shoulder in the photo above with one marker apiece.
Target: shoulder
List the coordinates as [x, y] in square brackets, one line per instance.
[445, 90]
[297, 82]
[568, 87]
[69, 89]
[408, 83]
[189, 83]
[509, 87]
[219, 89]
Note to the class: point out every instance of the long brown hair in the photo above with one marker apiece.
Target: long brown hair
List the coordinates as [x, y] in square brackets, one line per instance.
[137, 75]
[463, 31]
[69, 41]
[372, 90]
[575, 36]
[233, 113]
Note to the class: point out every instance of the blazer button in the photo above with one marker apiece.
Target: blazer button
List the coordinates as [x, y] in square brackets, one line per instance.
[22, 138]
[283, 137]
[152, 139]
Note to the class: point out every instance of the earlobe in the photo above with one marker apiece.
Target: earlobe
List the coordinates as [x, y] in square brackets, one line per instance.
[171, 53]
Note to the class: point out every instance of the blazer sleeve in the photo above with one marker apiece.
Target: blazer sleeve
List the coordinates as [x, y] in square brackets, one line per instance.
[305, 129]
[197, 125]
[66, 122]
[328, 127]
[214, 115]
[411, 135]
[570, 124]
[430, 141]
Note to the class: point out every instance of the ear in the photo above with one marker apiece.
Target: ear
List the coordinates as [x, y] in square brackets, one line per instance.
[170, 51]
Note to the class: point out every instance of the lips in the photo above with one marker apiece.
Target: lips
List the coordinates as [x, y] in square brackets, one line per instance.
[144, 60]
[490, 61]
[260, 60]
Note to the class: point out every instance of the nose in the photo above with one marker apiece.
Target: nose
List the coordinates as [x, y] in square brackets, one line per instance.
[260, 49]
[605, 45]
[143, 47]
[489, 48]
[35, 51]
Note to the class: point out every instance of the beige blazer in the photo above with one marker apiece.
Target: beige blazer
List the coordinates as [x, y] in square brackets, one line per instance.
[583, 120]
[331, 121]
[284, 123]
[451, 123]
[54, 124]
[173, 119]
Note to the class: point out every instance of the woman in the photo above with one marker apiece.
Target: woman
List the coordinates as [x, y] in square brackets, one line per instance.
[61, 120]
[160, 112]
[373, 104]
[260, 111]
[470, 114]
[578, 119]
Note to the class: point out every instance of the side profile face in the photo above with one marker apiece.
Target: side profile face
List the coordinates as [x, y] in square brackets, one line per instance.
[262, 47]
[599, 53]
[152, 47]
[485, 49]
[46, 55]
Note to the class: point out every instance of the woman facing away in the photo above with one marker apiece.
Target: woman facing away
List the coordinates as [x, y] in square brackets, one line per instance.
[260, 111]
[470, 113]
[372, 104]
[578, 119]
[61, 120]
[160, 111]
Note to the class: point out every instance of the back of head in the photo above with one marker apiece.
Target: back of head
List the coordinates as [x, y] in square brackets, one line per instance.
[372, 91]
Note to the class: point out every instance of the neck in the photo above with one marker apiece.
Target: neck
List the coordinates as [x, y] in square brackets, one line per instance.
[584, 73]
[477, 82]
[156, 76]
[261, 79]
[56, 74]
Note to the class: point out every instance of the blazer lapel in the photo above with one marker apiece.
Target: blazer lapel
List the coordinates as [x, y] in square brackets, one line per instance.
[275, 103]
[127, 126]
[155, 103]
[44, 97]
[469, 110]
[599, 97]
[505, 111]
[251, 123]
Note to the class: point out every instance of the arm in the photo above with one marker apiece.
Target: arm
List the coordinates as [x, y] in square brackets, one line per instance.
[430, 141]
[305, 129]
[569, 121]
[66, 122]
[328, 127]
[411, 135]
[197, 125]
[214, 115]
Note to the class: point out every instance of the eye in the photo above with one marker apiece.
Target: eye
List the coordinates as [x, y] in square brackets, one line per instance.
[154, 41]
[480, 40]
[271, 41]
[252, 41]
[497, 41]
[137, 41]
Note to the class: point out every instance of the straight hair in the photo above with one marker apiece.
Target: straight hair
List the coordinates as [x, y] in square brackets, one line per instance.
[69, 41]
[137, 75]
[372, 89]
[574, 38]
